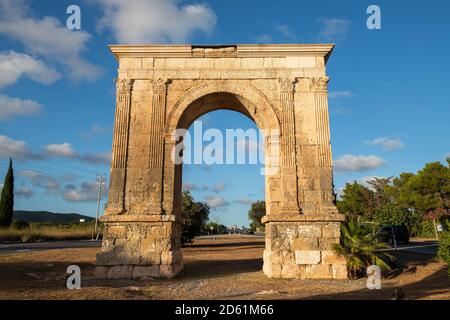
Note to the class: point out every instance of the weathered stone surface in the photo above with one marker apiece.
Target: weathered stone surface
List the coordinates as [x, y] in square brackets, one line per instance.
[142, 272]
[101, 272]
[339, 271]
[120, 272]
[305, 244]
[319, 271]
[307, 257]
[331, 230]
[161, 88]
[330, 257]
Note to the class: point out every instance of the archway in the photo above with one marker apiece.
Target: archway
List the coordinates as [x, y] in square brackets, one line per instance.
[283, 88]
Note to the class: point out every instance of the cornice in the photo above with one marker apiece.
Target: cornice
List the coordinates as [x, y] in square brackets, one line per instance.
[238, 51]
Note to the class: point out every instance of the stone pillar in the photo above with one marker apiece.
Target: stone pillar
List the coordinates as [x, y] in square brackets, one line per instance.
[140, 246]
[319, 86]
[302, 248]
[156, 145]
[143, 244]
[289, 181]
[116, 196]
[301, 245]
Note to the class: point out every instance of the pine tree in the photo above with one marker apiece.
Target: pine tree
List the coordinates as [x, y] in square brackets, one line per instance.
[7, 198]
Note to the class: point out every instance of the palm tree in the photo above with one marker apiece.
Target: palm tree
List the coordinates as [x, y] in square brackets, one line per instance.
[361, 248]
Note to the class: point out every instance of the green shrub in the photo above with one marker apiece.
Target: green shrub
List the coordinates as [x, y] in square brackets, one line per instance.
[444, 248]
[361, 248]
[20, 225]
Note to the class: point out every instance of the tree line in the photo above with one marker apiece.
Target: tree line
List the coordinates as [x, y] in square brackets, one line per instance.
[420, 201]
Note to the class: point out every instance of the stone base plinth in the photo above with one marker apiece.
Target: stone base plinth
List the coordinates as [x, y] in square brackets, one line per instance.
[140, 248]
[303, 250]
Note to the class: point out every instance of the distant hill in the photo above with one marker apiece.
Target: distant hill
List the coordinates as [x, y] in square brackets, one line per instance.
[46, 217]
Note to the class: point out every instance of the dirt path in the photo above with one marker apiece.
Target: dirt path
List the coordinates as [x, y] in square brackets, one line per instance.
[227, 268]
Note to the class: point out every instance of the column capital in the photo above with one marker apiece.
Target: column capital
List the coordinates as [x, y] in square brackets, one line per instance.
[159, 85]
[319, 84]
[124, 86]
[287, 84]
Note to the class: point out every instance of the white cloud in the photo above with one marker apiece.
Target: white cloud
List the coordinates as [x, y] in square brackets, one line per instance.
[264, 38]
[365, 180]
[340, 94]
[155, 21]
[12, 107]
[286, 31]
[15, 149]
[24, 192]
[218, 187]
[387, 143]
[47, 37]
[359, 163]
[85, 192]
[215, 202]
[189, 187]
[244, 201]
[66, 150]
[63, 150]
[18, 149]
[14, 65]
[194, 187]
[97, 158]
[334, 29]
[40, 180]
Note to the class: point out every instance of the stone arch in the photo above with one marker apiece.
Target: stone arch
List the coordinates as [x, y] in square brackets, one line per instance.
[253, 104]
[219, 95]
[142, 222]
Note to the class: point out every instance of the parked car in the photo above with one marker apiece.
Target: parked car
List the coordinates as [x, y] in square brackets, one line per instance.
[400, 232]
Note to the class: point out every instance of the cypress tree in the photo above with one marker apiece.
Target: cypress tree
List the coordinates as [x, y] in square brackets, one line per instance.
[7, 198]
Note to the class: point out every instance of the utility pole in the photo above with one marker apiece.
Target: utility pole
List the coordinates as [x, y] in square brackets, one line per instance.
[100, 184]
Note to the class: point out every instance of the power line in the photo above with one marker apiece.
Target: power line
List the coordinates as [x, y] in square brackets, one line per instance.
[100, 184]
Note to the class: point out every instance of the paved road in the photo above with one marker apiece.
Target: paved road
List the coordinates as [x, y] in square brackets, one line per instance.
[39, 246]
[427, 247]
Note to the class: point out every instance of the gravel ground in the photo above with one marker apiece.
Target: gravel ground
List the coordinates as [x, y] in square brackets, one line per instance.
[222, 268]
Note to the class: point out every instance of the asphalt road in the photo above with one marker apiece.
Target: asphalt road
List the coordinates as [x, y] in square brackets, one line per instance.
[39, 246]
[427, 247]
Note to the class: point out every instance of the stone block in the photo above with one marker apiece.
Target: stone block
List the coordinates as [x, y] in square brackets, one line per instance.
[319, 271]
[305, 244]
[272, 270]
[340, 271]
[309, 231]
[130, 63]
[293, 271]
[307, 62]
[169, 271]
[175, 63]
[307, 257]
[142, 272]
[171, 257]
[330, 257]
[147, 63]
[120, 272]
[327, 243]
[101, 272]
[331, 230]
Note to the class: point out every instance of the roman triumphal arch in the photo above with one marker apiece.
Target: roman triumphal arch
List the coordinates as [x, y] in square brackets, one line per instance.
[161, 88]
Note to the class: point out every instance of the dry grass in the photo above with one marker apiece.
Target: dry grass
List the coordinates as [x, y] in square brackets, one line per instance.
[38, 233]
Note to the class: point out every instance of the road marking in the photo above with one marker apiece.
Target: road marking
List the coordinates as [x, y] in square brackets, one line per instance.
[23, 250]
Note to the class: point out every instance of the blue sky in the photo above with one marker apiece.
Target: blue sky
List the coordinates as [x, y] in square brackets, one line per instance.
[389, 105]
